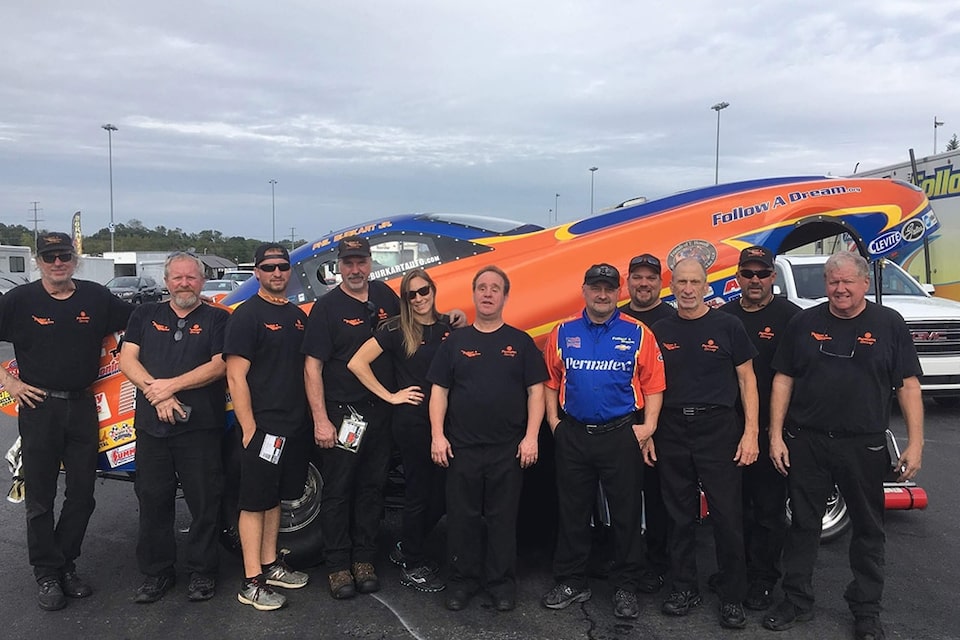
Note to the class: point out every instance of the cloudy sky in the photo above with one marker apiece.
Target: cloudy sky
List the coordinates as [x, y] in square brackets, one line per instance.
[367, 108]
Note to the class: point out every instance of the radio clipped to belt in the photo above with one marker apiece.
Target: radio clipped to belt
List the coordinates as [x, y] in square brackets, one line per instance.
[351, 431]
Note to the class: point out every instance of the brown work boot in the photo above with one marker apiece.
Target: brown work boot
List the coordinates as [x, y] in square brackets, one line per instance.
[366, 577]
[341, 585]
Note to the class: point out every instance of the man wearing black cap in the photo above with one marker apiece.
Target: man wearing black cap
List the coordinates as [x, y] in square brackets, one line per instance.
[262, 348]
[765, 317]
[606, 373]
[707, 357]
[350, 424]
[172, 354]
[57, 325]
[644, 285]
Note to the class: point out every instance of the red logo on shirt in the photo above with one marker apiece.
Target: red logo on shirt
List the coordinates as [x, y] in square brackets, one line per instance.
[43, 322]
[671, 346]
[353, 322]
[83, 318]
[820, 337]
[766, 333]
[710, 346]
[273, 326]
[470, 354]
[298, 324]
[866, 338]
[509, 352]
[158, 326]
[196, 329]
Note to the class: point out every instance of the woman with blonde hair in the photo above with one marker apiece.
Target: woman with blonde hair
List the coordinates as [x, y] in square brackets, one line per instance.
[410, 340]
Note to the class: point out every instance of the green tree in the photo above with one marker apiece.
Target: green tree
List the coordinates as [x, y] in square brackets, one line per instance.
[953, 144]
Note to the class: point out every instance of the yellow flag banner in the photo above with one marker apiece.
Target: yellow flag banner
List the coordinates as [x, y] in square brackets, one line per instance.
[77, 235]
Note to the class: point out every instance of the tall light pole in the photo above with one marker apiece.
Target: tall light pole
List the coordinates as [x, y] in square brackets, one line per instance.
[556, 208]
[110, 129]
[593, 171]
[720, 106]
[273, 207]
[936, 123]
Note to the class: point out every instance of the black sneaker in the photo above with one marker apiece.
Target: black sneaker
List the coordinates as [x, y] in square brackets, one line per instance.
[786, 615]
[758, 597]
[422, 578]
[625, 604]
[50, 595]
[868, 628]
[73, 586]
[679, 603]
[650, 582]
[732, 616]
[154, 588]
[563, 595]
[201, 588]
[396, 555]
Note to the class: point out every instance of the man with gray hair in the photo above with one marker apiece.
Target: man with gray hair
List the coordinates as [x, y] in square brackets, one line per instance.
[844, 348]
[172, 353]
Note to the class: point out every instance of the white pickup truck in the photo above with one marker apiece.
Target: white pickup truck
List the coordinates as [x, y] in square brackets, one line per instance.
[934, 322]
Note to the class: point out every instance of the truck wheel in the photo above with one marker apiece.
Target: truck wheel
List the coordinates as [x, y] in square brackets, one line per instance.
[836, 520]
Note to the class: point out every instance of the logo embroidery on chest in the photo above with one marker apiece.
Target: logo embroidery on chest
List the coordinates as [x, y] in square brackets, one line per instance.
[299, 325]
[509, 352]
[43, 322]
[866, 338]
[710, 346]
[766, 334]
[273, 326]
[195, 330]
[159, 327]
[353, 322]
[820, 337]
[573, 342]
[671, 346]
[470, 353]
[83, 318]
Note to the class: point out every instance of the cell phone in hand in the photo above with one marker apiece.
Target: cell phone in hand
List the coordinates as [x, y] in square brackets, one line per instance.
[185, 416]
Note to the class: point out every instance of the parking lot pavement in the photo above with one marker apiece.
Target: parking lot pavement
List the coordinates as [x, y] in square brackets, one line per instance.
[923, 566]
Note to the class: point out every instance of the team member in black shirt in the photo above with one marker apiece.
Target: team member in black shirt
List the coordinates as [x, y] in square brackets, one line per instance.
[707, 357]
[172, 353]
[57, 325]
[486, 406]
[644, 283]
[339, 323]
[265, 374]
[410, 341]
[838, 368]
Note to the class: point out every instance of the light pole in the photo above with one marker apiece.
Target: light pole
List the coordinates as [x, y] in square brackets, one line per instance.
[593, 171]
[936, 123]
[556, 207]
[110, 129]
[720, 106]
[273, 207]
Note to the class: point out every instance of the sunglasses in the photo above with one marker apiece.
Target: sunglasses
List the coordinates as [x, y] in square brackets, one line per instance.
[750, 273]
[645, 260]
[270, 268]
[423, 291]
[51, 258]
[178, 334]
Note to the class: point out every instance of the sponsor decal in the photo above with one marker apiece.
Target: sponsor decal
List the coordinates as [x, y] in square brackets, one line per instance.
[103, 407]
[885, 242]
[944, 182]
[83, 318]
[573, 342]
[471, 353]
[710, 346]
[913, 230]
[623, 339]
[598, 365]
[509, 352]
[700, 250]
[273, 326]
[159, 327]
[766, 334]
[43, 322]
[122, 455]
[622, 347]
[739, 213]
[403, 267]
[866, 338]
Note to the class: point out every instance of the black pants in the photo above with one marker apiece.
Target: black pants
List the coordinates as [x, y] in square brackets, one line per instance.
[657, 521]
[701, 448]
[424, 497]
[194, 460]
[857, 465]
[614, 460]
[483, 487]
[764, 516]
[352, 496]
[58, 431]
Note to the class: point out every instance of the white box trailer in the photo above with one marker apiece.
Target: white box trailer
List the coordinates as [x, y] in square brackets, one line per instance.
[16, 266]
[939, 177]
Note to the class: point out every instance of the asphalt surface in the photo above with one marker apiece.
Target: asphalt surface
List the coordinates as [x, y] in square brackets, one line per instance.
[923, 556]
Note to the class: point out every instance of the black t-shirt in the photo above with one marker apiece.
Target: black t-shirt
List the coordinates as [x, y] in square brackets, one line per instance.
[650, 316]
[152, 327]
[487, 375]
[700, 358]
[270, 337]
[765, 328]
[58, 342]
[845, 371]
[338, 325]
[412, 370]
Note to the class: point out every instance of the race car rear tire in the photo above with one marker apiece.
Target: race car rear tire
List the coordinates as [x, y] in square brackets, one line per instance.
[836, 519]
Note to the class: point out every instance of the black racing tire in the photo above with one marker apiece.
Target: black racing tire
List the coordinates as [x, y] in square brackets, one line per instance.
[836, 519]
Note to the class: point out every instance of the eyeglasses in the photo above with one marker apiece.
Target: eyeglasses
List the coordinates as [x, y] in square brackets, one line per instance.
[270, 268]
[51, 258]
[750, 273]
[423, 292]
[374, 312]
[178, 334]
[838, 355]
[645, 259]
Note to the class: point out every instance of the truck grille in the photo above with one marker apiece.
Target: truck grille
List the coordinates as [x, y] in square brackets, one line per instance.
[936, 337]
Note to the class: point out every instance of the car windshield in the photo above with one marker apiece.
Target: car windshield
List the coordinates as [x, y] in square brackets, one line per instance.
[124, 281]
[809, 280]
[218, 285]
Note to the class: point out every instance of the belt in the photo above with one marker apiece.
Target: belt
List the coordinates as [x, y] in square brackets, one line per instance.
[66, 395]
[696, 411]
[609, 425]
[832, 434]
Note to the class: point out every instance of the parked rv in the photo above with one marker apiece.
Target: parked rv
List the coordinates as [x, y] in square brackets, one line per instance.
[15, 266]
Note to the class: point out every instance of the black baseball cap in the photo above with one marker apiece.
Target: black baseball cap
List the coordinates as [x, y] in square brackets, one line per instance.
[352, 246]
[54, 242]
[756, 254]
[275, 248]
[606, 273]
[645, 260]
